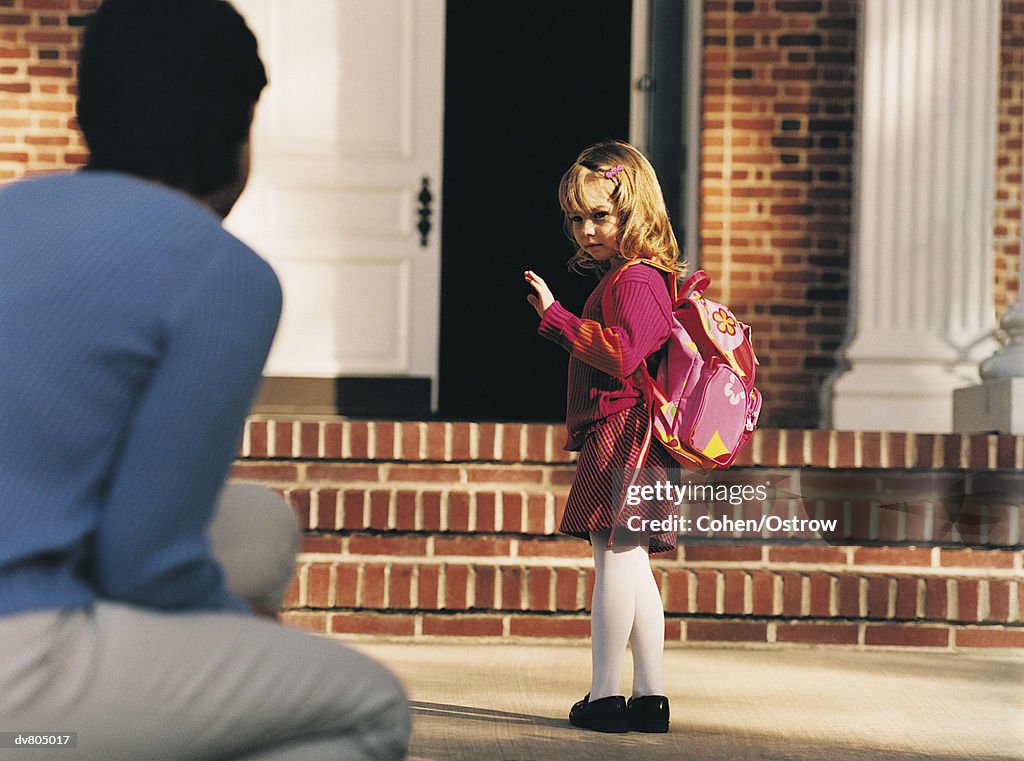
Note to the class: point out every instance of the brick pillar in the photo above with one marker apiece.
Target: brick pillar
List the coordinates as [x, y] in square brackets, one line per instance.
[924, 200]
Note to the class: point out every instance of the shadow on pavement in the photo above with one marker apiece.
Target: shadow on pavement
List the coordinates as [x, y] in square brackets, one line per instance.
[442, 710]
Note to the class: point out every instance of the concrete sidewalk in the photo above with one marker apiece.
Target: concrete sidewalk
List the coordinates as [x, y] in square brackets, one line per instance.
[486, 702]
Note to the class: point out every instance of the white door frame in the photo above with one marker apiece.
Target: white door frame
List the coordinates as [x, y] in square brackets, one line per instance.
[639, 106]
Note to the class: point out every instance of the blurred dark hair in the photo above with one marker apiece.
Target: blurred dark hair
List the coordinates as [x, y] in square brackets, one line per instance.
[166, 89]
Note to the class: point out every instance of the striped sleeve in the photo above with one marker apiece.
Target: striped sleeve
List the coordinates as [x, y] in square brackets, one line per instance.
[638, 324]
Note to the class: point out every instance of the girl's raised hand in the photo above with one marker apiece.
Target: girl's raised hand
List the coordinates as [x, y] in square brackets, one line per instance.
[543, 297]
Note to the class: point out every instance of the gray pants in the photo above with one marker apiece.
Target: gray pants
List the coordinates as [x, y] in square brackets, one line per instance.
[143, 685]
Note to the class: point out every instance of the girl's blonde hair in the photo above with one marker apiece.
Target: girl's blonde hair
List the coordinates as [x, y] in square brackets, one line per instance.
[633, 188]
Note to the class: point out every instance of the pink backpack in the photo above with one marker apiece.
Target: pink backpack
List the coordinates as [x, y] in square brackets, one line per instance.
[701, 397]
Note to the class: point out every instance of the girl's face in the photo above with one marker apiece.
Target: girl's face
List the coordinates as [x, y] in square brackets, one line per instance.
[596, 228]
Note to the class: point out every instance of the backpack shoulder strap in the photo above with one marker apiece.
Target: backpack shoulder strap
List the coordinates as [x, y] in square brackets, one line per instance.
[696, 284]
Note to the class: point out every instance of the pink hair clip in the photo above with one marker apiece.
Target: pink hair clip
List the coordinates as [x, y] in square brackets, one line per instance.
[612, 173]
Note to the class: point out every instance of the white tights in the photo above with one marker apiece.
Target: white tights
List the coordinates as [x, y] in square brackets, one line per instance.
[626, 607]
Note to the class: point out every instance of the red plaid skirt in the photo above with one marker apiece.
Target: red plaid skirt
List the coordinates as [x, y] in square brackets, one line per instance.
[607, 461]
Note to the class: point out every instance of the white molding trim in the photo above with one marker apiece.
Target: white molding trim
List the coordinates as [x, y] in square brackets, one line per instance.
[923, 216]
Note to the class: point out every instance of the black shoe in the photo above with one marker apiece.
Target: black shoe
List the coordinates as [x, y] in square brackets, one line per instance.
[648, 713]
[603, 715]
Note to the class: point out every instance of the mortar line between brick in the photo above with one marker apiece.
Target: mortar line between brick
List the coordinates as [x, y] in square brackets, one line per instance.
[271, 439]
[246, 446]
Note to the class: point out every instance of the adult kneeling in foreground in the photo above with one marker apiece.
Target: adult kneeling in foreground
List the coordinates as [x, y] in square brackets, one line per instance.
[134, 329]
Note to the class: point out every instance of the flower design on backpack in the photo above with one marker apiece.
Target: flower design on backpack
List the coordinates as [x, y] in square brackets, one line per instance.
[735, 396]
[726, 322]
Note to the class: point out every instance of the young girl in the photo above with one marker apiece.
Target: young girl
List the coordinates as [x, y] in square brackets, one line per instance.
[615, 213]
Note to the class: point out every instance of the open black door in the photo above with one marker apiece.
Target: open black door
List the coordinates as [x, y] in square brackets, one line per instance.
[527, 86]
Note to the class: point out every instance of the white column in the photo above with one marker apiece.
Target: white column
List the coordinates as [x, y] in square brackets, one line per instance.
[922, 306]
[997, 404]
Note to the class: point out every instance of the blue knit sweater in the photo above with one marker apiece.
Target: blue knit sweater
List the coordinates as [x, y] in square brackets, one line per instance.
[133, 330]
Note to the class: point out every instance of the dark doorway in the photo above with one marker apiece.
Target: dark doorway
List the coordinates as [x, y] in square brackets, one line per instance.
[527, 86]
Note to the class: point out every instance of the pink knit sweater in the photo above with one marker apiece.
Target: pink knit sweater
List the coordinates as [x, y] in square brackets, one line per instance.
[605, 350]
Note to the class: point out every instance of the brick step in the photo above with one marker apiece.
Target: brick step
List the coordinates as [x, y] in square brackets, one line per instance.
[411, 441]
[551, 548]
[983, 509]
[548, 587]
[746, 631]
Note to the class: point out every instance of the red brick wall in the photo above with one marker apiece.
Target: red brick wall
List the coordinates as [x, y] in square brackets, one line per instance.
[39, 41]
[427, 530]
[1009, 155]
[779, 78]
